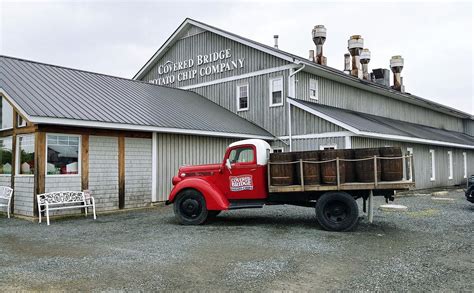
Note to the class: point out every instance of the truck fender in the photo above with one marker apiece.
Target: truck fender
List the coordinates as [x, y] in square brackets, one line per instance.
[215, 200]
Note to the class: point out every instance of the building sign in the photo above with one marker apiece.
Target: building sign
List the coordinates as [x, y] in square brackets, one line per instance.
[199, 66]
[240, 183]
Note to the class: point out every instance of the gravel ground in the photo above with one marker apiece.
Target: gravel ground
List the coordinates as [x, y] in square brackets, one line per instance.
[428, 247]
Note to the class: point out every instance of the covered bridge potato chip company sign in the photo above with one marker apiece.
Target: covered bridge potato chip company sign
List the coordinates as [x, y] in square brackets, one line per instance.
[239, 183]
[201, 65]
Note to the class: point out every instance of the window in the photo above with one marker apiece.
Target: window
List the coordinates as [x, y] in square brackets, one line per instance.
[6, 117]
[242, 97]
[26, 155]
[20, 122]
[328, 147]
[6, 155]
[278, 150]
[432, 166]
[464, 160]
[241, 155]
[450, 164]
[62, 155]
[313, 89]
[276, 91]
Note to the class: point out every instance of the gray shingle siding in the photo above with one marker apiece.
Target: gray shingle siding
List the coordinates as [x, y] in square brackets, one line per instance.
[138, 163]
[23, 193]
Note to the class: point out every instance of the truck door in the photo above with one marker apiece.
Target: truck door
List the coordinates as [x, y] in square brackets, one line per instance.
[243, 180]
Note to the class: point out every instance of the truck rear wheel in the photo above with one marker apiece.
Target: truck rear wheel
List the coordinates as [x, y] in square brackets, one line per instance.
[337, 211]
[190, 207]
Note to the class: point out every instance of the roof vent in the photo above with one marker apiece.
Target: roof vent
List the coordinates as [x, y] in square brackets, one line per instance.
[355, 45]
[396, 64]
[311, 55]
[319, 37]
[364, 60]
[347, 63]
[275, 37]
[381, 76]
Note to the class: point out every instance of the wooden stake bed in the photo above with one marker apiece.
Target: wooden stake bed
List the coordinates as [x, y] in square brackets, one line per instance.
[394, 185]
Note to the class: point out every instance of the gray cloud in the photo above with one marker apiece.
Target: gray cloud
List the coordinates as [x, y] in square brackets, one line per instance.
[117, 38]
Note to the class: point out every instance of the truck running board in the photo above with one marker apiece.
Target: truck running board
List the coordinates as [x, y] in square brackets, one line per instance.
[246, 204]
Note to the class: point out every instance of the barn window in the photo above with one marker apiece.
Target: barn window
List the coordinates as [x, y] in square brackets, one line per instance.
[313, 89]
[432, 166]
[328, 147]
[450, 164]
[276, 91]
[6, 114]
[26, 155]
[242, 97]
[6, 155]
[62, 154]
[464, 160]
[278, 150]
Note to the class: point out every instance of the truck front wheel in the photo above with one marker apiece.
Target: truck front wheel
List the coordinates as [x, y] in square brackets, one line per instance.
[190, 207]
[337, 211]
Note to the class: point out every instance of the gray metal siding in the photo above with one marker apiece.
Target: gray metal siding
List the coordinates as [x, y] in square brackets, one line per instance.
[178, 150]
[421, 154]
[339, 95]
[307, 123]
[272, 119]
[468, 127]
[206, 43]
[308, 144]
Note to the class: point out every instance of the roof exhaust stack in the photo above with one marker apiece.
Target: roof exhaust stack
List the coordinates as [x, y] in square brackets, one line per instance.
[311, 56]
[396, 64]
[355, 45]
[364, 60]
[319, 37]
[275, 37]
[347, 63]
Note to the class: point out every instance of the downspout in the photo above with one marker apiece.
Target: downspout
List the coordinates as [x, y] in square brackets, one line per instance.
[290, 140]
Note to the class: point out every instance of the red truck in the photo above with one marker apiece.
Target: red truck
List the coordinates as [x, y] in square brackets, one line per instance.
[244, 180]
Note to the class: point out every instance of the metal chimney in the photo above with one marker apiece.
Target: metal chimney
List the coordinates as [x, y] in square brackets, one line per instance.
[347, 63]
[319, 37]
[396, 64]
[311, 55]
[275, 37]
[364, 60]
[355, 45]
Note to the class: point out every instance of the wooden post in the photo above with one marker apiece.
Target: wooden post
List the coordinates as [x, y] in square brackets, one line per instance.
[12, 179]
[301, 174]
[375, 171]
[338, 178]
[40, 167]
[85, 162]
[121, 165]
[412, 175]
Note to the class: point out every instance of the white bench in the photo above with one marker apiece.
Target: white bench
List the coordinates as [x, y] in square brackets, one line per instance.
[6, 195]
[62, 200]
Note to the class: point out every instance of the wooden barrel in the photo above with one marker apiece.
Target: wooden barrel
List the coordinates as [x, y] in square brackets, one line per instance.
[350, 166]
[392, 170]
[281, 174]
[365, 169]
[311, 171]
[329, 170]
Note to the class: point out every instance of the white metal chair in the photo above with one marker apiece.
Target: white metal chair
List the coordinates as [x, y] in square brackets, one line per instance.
[6, 195]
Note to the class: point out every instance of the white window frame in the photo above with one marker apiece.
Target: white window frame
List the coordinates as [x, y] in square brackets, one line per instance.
[279, 148]
[322, 147]
[433, 165]
[18, 119]
[270, 86]
[13, 111]
[79, 156]
[316, 89]
[450, 165]
[464, 159]
[17, 155]
[237, 96]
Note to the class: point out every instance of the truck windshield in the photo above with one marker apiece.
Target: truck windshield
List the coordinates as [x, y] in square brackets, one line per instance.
[241, 155]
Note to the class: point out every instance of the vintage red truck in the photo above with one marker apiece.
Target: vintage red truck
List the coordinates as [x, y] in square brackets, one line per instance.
[243, 180]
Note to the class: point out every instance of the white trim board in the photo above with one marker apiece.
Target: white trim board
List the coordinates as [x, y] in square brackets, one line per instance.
[318, 135]
[374, 134]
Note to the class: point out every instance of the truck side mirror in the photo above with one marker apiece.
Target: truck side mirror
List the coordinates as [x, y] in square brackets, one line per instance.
[228, 165]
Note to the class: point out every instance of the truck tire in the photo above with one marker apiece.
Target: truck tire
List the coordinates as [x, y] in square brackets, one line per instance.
[337, 211]
[190, 207]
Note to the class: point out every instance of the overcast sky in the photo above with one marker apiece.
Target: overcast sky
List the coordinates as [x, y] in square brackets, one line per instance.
[117, 38]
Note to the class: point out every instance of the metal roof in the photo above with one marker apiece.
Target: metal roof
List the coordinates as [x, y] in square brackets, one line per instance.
[372, 125]
[52, 94]
[312, 67]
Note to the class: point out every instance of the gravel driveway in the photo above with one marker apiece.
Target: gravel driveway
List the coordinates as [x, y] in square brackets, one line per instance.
[428, 247]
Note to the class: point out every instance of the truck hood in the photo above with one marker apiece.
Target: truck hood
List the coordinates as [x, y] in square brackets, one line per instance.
[200, 170]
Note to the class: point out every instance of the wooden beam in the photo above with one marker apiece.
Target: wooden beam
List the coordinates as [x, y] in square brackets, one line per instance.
[40, 167]
[12, 183]
[93, 131]
[121, 165]
[85, 162]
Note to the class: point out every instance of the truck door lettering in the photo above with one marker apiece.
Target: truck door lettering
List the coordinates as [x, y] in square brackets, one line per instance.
[240, 183]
